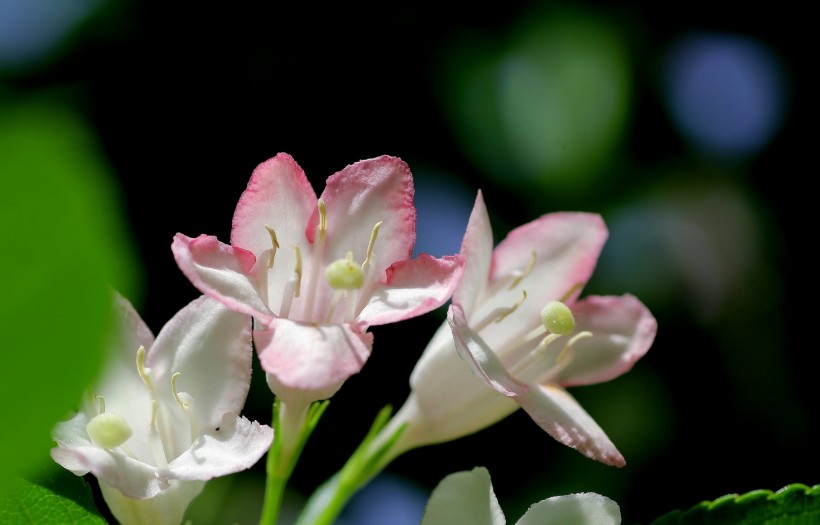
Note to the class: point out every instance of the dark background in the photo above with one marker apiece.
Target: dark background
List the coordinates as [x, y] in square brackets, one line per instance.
[186, 100]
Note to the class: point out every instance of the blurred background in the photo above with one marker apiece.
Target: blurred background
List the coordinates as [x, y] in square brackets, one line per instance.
[679, 124]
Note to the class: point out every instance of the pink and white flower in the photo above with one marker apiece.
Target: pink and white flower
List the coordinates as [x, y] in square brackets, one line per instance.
[519, 353]
[316, 273]
[468, 497]
[164, 417]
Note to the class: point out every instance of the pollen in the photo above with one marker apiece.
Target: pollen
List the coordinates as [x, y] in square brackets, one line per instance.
[344, 274]
[108, 430]
[557, 318]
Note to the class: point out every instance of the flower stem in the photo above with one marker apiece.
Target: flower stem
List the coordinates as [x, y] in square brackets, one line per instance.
[371, 456]
[292, 427]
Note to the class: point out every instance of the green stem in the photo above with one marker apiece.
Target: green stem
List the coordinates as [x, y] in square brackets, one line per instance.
[371, 456]
[292, 427]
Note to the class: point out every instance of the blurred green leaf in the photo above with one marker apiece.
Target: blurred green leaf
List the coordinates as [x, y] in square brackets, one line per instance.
[61, 499]
[793, 505]
[64, 249]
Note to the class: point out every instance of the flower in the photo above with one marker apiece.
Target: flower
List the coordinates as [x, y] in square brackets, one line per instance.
[164, 417]
[467, 498]
[516, 321]
[315, 273]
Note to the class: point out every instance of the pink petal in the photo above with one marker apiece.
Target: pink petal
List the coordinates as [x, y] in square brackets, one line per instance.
[358, 197]
[567, 246]
[560, 415]
[304, 359]
[479, 357]
[210, 346]
[278, 195]
[412, 288]
[221, 271]
[623, 330]
[477, 250]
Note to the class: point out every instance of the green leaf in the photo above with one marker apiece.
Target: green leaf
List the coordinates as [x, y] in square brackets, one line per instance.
[65, 248]
[60, 499]
[792, 505]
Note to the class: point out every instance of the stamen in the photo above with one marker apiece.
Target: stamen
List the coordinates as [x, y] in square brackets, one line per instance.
[512, 308]
[317, 259]
[557, 318]
[293, 286]
[373, 235]
[499, 314]
[334, 300]
[322, 219]
[520, 274]
[143, 372]
[577, 337]
[108, 430]
[575, 287]
[183, 405]
[275, 243]
[101, 401]
[298, 271]
[154, 441]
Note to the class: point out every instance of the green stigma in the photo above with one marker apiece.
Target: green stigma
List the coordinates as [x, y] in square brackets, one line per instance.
[557, 318]
[344, 274]
[108, 430]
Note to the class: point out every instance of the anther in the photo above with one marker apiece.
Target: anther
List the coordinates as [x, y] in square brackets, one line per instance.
[520, 274]
[344, 274]
[557, 318]
[371, 244]
[108, 430]
[274, 243]
[322, 219]
[183, 405]
[297, 271]
[143, 372]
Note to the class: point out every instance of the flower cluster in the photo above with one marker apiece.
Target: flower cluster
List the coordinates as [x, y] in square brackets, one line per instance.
[302, 280]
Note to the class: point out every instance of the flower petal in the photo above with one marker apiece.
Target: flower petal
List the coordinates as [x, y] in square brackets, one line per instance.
[477, 250]
[480, 357]
[235, 445]
[313, 360]
[447, 400]
[120, 386]
[560, 415]
[622, 331]
[413, 287]
[278, 195]
[566, 246]
[359, 196]
[166, 508]
[133, 478]
[578, 509]
[464, 497]
[221, 271]
[210, 346]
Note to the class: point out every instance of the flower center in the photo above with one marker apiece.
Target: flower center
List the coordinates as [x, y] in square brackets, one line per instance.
[346, 289]
[108, 430]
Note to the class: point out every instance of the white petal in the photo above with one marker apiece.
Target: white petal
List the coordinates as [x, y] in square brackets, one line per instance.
[575, 509]
[237, 445]
[166, 508]
[448, 401]
[477, 250]
[464, 498]
[210, 346]
[558, 413]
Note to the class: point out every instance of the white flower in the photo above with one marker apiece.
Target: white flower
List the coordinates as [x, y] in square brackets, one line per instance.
[164, 417]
